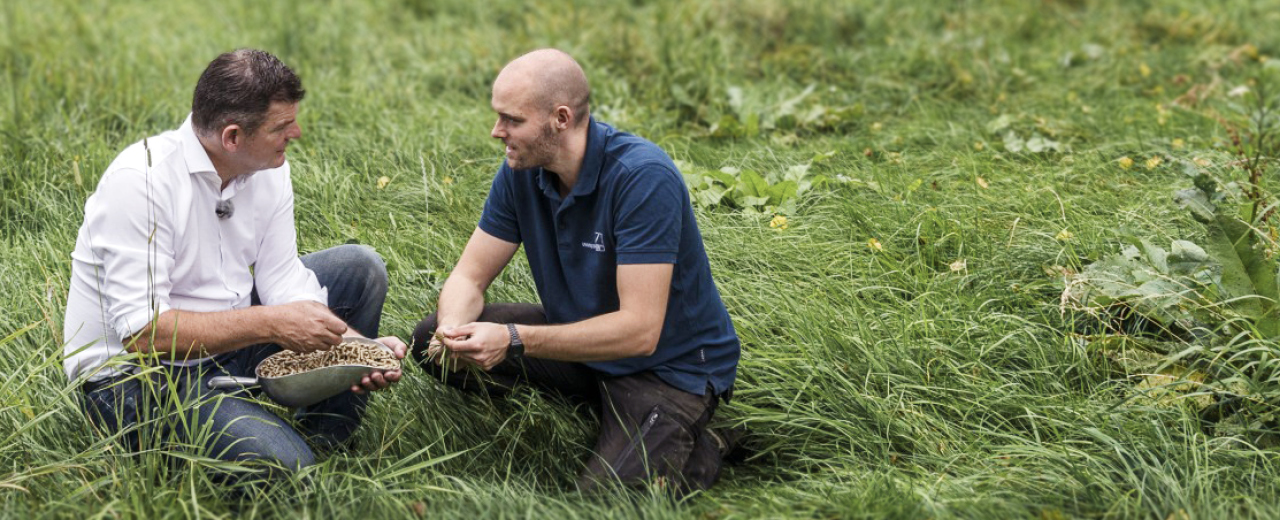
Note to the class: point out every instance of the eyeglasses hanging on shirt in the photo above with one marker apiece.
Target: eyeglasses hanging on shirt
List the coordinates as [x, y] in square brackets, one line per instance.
[224, 210]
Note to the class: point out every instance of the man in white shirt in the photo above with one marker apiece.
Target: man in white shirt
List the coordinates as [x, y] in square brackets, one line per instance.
[186, 267]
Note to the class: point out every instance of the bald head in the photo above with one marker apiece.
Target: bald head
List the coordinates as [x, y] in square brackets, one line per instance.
[550, 78]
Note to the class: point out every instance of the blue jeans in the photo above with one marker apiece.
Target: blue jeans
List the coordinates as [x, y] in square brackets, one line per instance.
[174, 406]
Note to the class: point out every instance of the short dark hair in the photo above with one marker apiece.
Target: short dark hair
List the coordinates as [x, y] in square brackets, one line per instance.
[238, 87]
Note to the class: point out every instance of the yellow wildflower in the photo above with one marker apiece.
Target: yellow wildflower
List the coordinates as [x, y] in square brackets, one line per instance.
[1063, 236]
[383, 181]
[1201, 162]
[1178, 143]
[876, 126]
[1144, 70]
[1126, 162]
[779, 221]
[1153, 162]
[875, 245]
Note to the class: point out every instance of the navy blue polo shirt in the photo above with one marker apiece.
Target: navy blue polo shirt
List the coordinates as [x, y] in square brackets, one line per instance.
[629, 206]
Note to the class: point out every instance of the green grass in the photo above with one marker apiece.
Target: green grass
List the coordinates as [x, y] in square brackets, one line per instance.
[876, 384]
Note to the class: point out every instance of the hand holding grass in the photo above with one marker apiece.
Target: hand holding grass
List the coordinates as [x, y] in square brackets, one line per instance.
[479, 344]
[440, 353]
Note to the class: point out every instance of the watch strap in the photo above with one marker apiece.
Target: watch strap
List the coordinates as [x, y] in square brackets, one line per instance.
[516, 348]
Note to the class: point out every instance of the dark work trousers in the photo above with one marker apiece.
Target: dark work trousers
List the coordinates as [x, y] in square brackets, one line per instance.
[649, 431]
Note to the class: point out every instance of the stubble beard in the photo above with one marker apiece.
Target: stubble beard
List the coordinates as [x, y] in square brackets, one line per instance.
[539, 153]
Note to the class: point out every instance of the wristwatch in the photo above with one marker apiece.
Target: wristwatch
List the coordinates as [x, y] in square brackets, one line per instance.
[516, 349]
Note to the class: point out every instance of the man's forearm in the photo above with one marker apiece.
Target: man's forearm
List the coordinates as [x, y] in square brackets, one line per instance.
[187, 334]
[606, 337]
[460, 301]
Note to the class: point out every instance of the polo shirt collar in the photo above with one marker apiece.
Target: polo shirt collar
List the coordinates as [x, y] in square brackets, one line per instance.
[592, 159]
[588, 173]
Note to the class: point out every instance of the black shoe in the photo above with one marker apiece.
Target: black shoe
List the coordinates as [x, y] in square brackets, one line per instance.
[728, 443]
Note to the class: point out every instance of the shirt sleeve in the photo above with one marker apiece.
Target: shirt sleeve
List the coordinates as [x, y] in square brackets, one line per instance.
[499, 215]
[130, 234]
[278, 273]
[648, 216]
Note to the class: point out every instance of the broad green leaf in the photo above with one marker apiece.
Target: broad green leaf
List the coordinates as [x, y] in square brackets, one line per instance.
[755, 202]
[822, 157]
[788, 107]
[752, 126]
[681, 95]
[709, 198]
[797, 172]
[724, 178]
[1013, 143]
[782, 191]
[1156, 256]
[1248, 277]
[735, 99]
[753, 185]
[1196, 202]
[788, 207]
[727, 126]
[1038, 144]
[999, 124]
[1185, 251]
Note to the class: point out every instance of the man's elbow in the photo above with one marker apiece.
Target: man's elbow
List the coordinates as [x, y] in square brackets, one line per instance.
[646, 343]
[139, 343]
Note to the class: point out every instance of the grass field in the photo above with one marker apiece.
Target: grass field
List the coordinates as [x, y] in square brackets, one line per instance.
[905, 351]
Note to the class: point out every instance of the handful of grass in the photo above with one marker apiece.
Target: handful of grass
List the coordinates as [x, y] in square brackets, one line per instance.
[442, 357]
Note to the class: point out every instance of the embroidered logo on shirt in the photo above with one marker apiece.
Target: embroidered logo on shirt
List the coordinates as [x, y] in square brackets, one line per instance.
[598, 245]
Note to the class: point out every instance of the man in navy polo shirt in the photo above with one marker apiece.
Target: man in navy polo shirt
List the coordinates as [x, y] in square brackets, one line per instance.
[630, 320]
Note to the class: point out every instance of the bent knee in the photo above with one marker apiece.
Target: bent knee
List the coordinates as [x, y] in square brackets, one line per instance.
[280, 463]
[363, 259]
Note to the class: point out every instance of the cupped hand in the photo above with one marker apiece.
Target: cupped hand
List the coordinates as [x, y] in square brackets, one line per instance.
[381, 379]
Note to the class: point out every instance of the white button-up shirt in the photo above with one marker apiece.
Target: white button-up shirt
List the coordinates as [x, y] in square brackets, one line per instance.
[152, 241]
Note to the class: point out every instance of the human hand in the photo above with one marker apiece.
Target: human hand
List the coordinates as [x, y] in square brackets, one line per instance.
[306, 326]
[381, 379]
[437, 352]
[481, 344]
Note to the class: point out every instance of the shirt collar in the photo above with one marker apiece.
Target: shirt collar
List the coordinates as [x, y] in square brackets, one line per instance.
[592, 159]
[589, 172]
[198, 162]
[197, 158]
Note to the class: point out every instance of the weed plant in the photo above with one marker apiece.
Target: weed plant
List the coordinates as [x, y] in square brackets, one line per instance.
[905, 351]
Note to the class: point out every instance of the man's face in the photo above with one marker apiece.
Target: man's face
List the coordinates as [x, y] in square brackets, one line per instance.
[266, 146]
[522, 126]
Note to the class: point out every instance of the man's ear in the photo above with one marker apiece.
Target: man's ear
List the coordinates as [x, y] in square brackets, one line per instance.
[563, 118]
[232, 137]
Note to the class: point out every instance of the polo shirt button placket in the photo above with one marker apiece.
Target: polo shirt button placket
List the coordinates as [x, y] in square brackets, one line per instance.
[562, 238]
